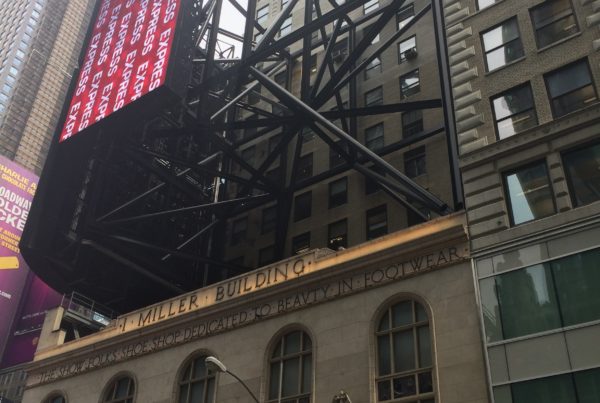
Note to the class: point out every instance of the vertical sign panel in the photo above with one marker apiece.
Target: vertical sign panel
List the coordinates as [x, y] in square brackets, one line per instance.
[126, 58]
[17, 186]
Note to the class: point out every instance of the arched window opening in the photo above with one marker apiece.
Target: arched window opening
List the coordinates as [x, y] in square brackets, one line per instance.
[290, 376]
[55, 398]
[197, 383]
[122, 390]
[404, 357]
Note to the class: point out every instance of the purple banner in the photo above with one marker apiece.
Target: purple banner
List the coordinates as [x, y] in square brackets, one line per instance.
[22, 344]
[17, 186]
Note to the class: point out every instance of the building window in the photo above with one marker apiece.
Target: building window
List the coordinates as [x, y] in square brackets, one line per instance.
[238, 230]
[570, 88]
[374, 97]
[301, 243]
[374, 137]
[286, 26]
[415, 162]
[338, 192]
[307, 134]
[502, 45]
[372, 185]
[338, 235]
[335, 158]
[404, 16]
[404, 358]
[269, 219]
[303, 206]
[553, 20]
[266, 255]
[262, 15]
[53, 399]
[582, 167]
[481, 4]
[514, 111]
[305, 167]
[290, 374]
[412, 123]
[409, 84]
[370, 5]
[373, 68]
[581, 387]
[122, 390]
[407, 49]
[529, 193]
[542, 297]
[377, 222]
[197, 382]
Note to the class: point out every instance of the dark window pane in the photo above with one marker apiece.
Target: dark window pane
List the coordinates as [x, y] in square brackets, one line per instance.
[384, 390]
[374, 97]
[402, 314]
[577, 279]
[338, 192]
[291, 376]
[424, 341]
[373, 68]
[274, 380]
[527, 301]
[553, 21]
[570, 88]
[384, 324]
[409, 84]
[405, 15]
[404, 386]
[384, 353]
[412, 123]
[425, 382]
[335, 158]
[404, 351]
[415, 162]
[269, 219]
[583, 172]
[303, 206]
[305, 167]
[529, 194]
[554, 389]
[377, 222]
[374, 138]
[306, 374]
[588, 386]
[238, 230]
[514, 111]
[338, 235]
[291, 343]
[407, 49]
[301, 243]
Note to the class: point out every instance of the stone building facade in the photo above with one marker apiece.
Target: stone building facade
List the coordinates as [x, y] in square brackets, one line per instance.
[525, 81]
[393, 318]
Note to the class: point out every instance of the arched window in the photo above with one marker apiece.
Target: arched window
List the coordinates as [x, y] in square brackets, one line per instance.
[197, 383]
[290, 376]
[404, 359]
[121, 390]
[55, 398]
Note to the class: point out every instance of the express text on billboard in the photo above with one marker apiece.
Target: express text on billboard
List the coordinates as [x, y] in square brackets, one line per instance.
[126, 58]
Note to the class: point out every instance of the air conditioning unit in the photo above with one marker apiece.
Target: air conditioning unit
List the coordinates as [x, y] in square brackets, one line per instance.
[338, 55]
[411, 54]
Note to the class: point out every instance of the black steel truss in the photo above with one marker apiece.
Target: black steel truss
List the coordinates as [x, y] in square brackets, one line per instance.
[183, 175]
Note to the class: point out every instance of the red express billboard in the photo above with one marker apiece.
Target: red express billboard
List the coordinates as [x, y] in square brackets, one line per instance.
[126, 58]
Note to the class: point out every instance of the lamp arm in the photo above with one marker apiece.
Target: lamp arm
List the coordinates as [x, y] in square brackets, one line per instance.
[244, 385]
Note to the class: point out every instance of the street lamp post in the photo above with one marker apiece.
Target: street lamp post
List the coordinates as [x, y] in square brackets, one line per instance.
[214, 364]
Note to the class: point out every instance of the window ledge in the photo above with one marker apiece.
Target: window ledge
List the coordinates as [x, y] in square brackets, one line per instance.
[520, 59]
[560, 42]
